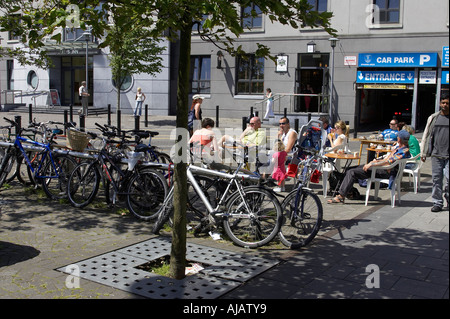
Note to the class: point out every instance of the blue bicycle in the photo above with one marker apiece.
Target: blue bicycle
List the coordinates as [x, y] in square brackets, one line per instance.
[51, 168]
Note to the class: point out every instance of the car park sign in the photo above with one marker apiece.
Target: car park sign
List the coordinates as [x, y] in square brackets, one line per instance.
[390, 60]
[386, 77]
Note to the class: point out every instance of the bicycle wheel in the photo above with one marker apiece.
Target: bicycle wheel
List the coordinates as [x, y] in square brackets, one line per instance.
[254, 220]
[83, 184]
[145, 194]
[197, 211]
[164, 213]
[6, 163]
[301, 226]
[55, 175]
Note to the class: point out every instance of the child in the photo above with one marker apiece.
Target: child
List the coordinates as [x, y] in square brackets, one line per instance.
[279, 170]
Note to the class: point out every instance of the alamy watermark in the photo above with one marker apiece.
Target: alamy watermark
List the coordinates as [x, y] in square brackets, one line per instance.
[73, 280]
[373, 279]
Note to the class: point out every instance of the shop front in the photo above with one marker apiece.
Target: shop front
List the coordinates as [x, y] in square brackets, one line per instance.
[396, 85]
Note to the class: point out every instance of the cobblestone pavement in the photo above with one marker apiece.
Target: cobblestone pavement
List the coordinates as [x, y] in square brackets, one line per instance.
[408, 245]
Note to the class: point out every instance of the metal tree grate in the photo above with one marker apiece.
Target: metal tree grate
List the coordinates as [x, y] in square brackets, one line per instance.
[226, 271]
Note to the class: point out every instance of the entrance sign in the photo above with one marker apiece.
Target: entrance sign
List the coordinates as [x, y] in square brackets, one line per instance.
[405, 77]
[427, 77]
[390, 60]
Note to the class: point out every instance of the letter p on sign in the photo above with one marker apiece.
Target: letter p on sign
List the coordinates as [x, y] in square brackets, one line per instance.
[424, 58]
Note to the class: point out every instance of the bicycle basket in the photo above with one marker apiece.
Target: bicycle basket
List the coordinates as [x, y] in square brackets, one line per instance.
[77, 140]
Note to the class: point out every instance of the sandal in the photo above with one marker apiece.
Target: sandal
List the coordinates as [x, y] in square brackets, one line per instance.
[338, 199]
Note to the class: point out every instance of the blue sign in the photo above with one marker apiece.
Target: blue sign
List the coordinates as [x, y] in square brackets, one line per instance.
[444, 79]
[403, 77]
[445, 56]
[390, 60]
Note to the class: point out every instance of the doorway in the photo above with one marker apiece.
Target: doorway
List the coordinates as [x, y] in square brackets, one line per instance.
[73, 73]
[311, 78]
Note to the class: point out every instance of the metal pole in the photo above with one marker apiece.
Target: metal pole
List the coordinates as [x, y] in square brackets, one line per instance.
[30, 113]
[331, 86]
[146, 115]
[109, 114]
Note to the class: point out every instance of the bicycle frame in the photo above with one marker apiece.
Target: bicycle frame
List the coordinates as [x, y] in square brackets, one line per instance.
[36, 146]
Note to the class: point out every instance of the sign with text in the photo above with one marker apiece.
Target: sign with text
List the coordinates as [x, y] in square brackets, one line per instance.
[389, 60]
[444, 77]
[405, 77]
[445, 56]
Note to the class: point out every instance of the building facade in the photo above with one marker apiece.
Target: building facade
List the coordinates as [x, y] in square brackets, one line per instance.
[391, 59]
[395, 30]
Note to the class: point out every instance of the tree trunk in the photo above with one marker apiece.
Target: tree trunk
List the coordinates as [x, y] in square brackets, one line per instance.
[178, 251]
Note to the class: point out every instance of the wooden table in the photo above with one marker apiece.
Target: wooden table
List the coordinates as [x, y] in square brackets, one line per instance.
[342, 156]
[368, 142]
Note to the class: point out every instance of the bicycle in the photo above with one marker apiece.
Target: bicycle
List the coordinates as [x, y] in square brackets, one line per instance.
[142, 187]
[50, 169]
[302, 208]
[251, 216]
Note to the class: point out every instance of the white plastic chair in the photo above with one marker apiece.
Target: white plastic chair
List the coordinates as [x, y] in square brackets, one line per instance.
[414, 173]
[396, 184]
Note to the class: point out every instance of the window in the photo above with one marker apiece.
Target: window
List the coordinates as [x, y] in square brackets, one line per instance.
[389, 11]
[251, 17]
[127, 82]
[319, 5]
[32, 80]
[200, 74]
[250, 75]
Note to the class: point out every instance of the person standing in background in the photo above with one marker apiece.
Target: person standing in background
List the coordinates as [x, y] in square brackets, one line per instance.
[140, 98]
[435, 144]
[84, 96]
[269, 105]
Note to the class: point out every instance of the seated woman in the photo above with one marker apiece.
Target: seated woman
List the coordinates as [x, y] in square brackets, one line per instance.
[205, 139]
[339, 136]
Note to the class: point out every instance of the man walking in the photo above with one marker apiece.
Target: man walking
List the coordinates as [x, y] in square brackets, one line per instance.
[434, 144]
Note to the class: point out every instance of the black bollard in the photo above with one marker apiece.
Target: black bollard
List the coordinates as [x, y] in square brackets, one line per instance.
[244, 122]
[18, 120]
[82, 122]
[217, 116]
[30, 113]
[355, 124]
[109, 114]
[71, 112]
[136, 123]
[309, 117]
[297, 122]
[119, 119]
[146, 115]
[66, 117]
[285, 112]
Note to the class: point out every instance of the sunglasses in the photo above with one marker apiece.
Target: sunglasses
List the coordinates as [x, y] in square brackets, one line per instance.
[392, 123]
[252, 124]
[283, 123]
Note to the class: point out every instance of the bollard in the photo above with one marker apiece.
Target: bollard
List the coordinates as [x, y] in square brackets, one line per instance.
[71, 112]
[109, 114]
[285, 112]
[256, 113]
[66, 116]
[119, 120]
[136, 122]
[309, 117]
[18, 120]
[146, 115]
[30, 113]
[82, 123]
[251, 112]
[244, 123]
[297, 122]
[217, 116]
[355, 124]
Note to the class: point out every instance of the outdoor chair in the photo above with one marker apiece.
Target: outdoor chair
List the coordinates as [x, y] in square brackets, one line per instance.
[395, 185]
[414, 172]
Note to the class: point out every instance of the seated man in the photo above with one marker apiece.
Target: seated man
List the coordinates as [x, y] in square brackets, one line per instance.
[391, 133]
[253, 135]
[363, 171]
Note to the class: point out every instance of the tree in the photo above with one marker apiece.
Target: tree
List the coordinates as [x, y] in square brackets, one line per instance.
[175, 19]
